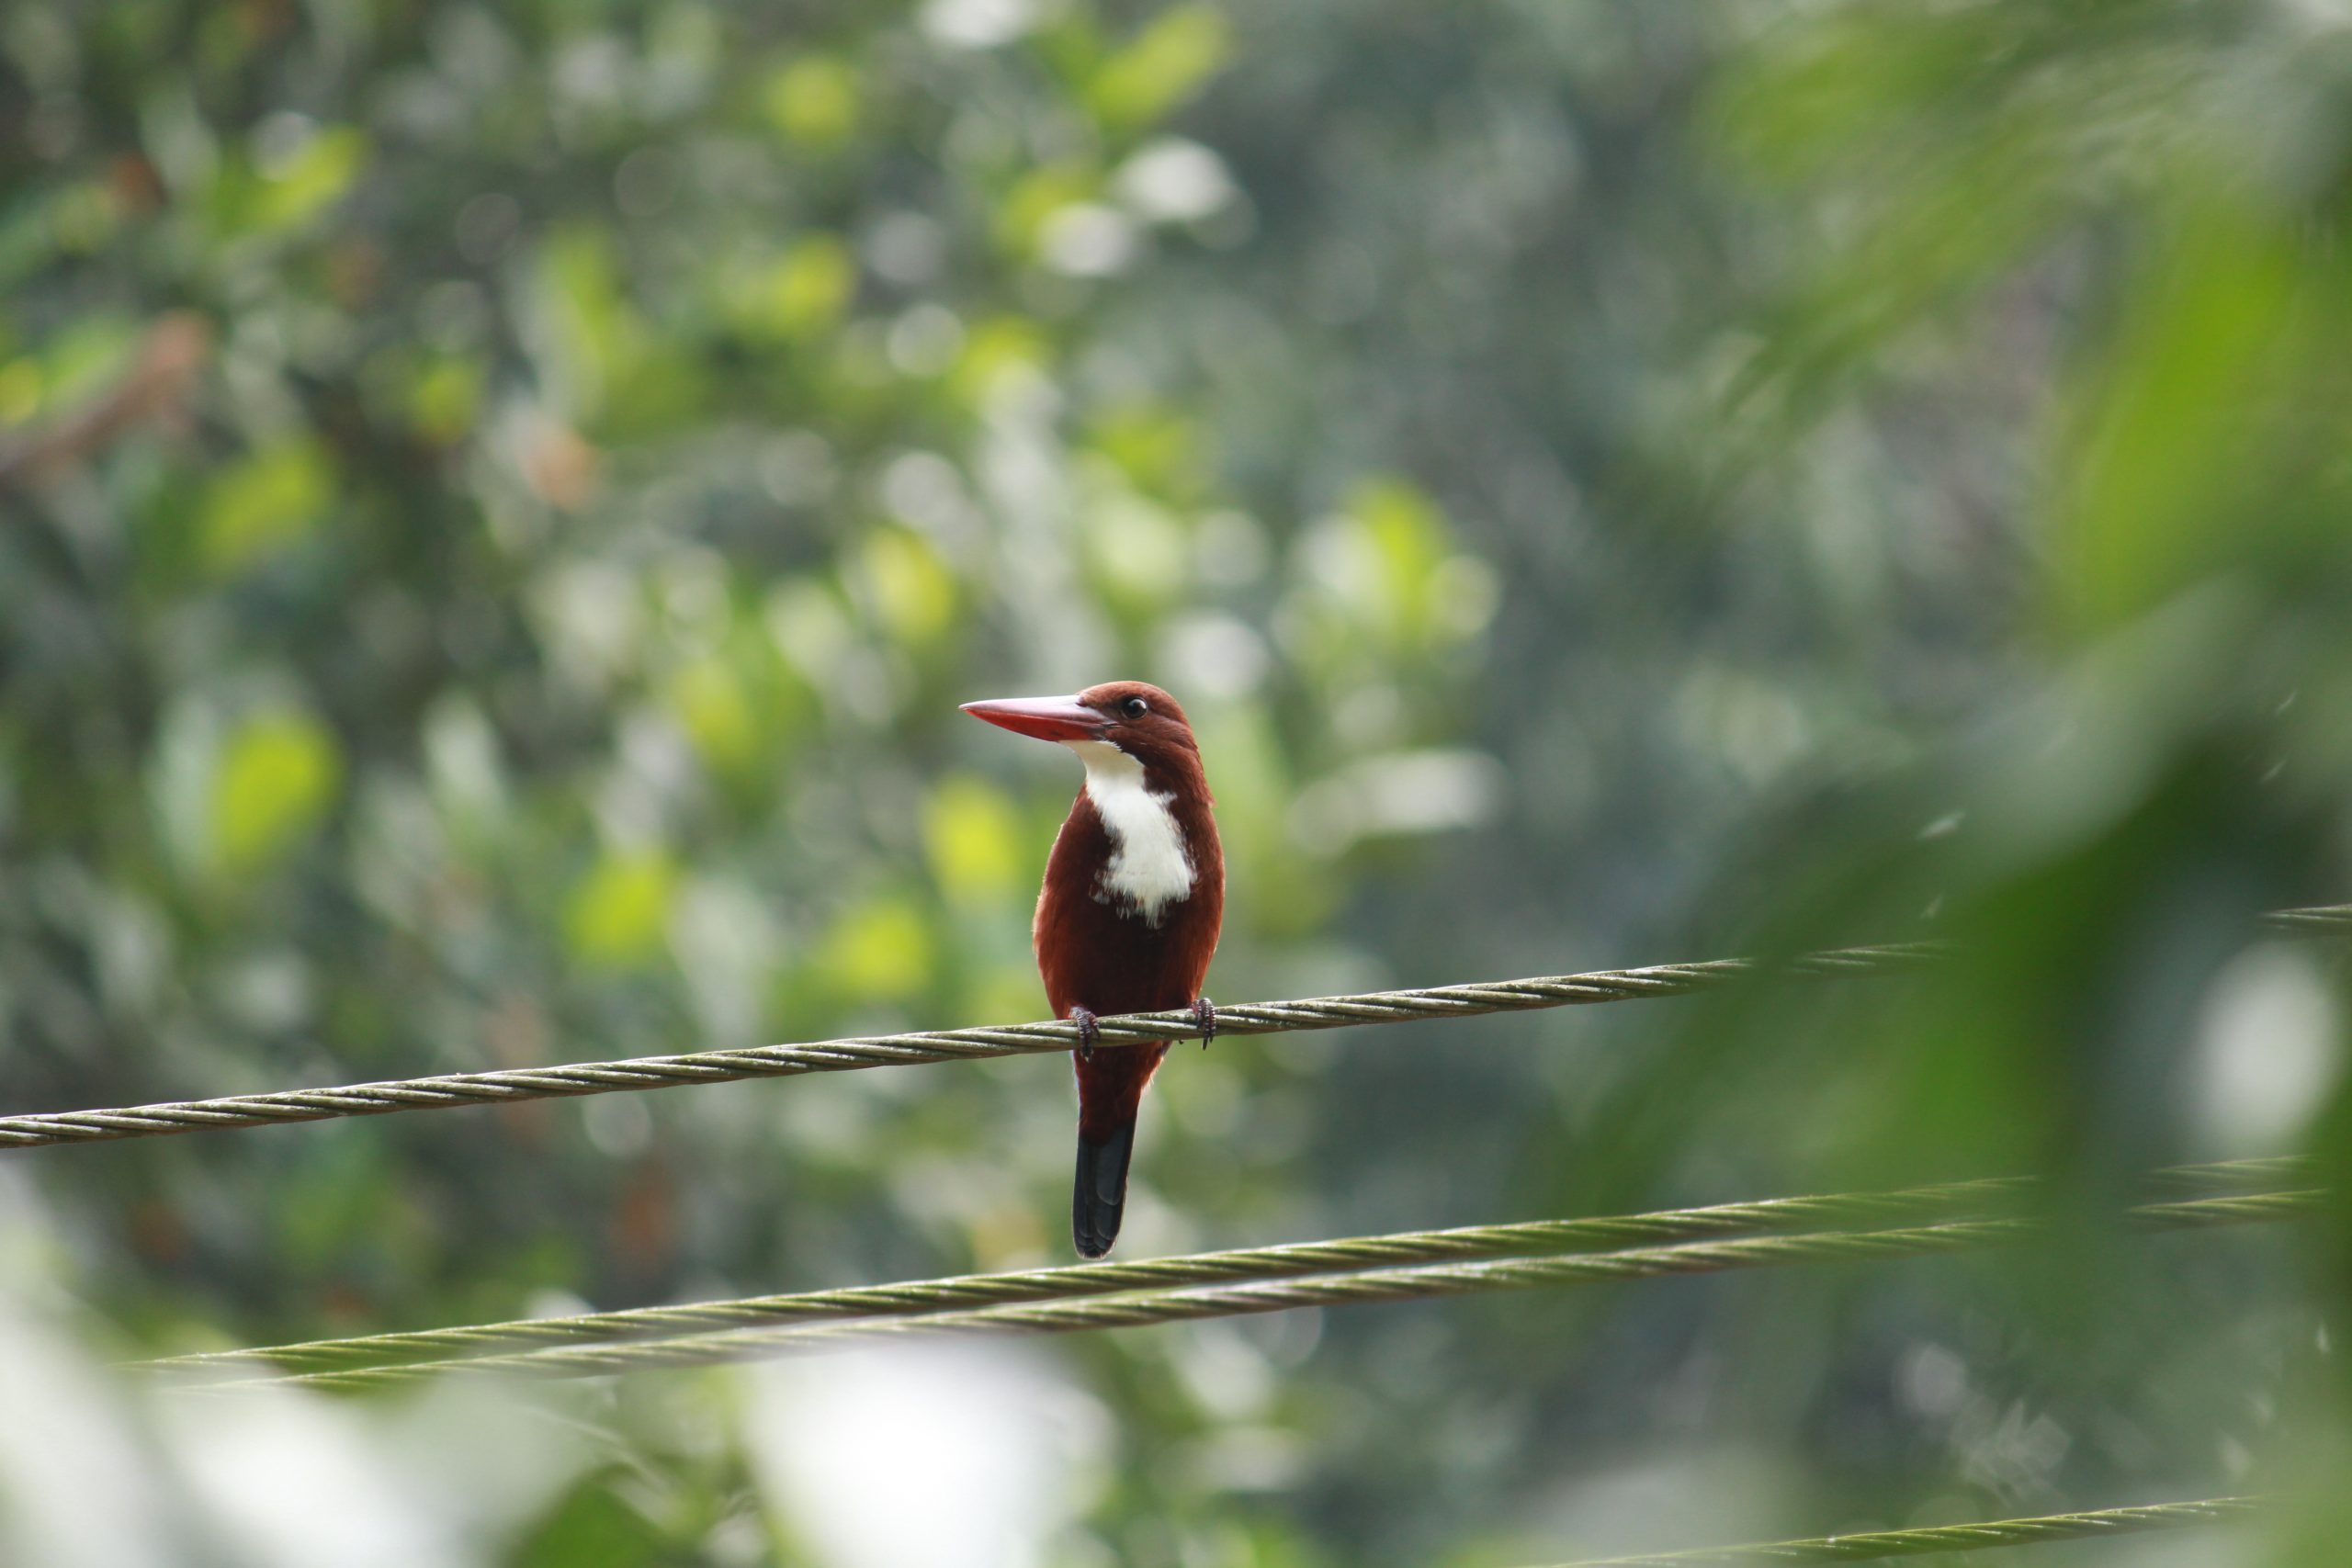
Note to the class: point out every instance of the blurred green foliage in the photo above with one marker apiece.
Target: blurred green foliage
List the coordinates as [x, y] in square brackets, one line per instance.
[498, 507]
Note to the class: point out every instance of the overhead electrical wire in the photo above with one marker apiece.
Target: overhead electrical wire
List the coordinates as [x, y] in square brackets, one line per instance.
[507, 1086]
[784, 1325]
[1876, 1546]
[1282, 1261]
[1943, 1200]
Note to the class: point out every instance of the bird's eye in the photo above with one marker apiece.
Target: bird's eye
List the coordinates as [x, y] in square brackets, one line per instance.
[1135, 707]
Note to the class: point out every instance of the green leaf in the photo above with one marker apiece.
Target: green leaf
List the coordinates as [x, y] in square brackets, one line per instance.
[1137, 553]
[994, 349]
[880, 950]
[277, 777]
[619, 914]
[715, 712]
[2181, 433]
[310, 181]
[1157, 449]
[262, 503]
[973, 837]
[1165, 64]
[1408, 532]
[88, 356]
[1023, 211]
[445, 400]
[809, 289]
[593, 1528]
[815, 101]
[905, 586]
[595, 332]
[20, 390]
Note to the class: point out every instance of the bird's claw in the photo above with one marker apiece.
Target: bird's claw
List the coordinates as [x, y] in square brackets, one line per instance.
[1089, 1031]
[1205, 1016]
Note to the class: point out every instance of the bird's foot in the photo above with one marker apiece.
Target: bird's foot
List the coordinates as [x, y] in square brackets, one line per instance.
[1205, 1016]
[1089, 1031]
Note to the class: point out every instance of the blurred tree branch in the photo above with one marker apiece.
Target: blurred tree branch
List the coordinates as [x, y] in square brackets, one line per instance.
[152, 390]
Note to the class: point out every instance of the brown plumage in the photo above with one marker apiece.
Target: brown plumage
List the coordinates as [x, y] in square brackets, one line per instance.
[1128, 918]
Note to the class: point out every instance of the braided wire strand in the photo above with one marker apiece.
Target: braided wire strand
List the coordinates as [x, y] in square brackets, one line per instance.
[1879, 1545]
[506, 1085]
[1143, 1306]
[2316, 918]
[916, 1297]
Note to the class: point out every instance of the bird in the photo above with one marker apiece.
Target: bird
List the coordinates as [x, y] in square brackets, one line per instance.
[1128, 918]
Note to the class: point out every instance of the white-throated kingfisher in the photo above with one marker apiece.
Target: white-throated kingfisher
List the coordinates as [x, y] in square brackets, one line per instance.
[1128, 918]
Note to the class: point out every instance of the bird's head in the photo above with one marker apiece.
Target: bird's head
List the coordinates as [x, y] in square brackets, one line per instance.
[1141, 721]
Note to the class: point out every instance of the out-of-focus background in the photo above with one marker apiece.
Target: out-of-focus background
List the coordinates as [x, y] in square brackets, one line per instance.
[498, 505]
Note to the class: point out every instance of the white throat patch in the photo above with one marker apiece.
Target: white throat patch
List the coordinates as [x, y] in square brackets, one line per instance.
[1149, 867]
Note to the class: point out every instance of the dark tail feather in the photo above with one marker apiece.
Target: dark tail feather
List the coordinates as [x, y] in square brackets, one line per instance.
[1100, 1194]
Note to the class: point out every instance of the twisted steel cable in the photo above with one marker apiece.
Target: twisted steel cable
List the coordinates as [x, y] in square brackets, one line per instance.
[1878, 1545]
[917, 1297]
[2270, 1170]
[914, 1298]
[506, 1085]
[2317, 918]
[1140, 1307]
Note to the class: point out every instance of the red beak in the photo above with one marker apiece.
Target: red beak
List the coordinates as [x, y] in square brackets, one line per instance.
[1046, 718]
